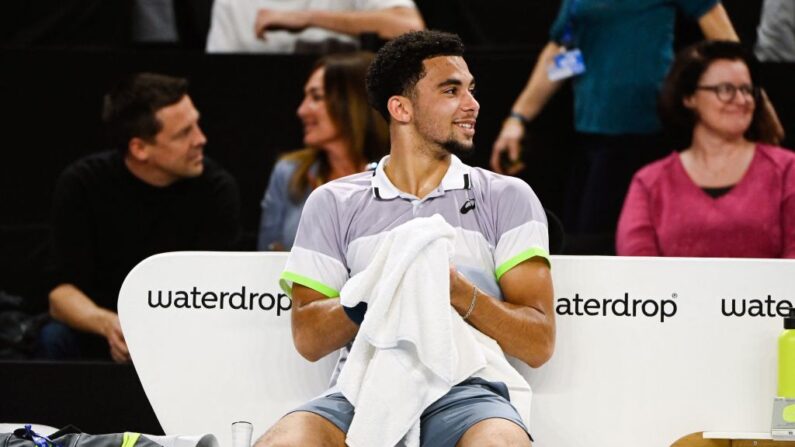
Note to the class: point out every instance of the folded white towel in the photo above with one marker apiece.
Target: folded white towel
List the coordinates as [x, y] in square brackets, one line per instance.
[412, 346]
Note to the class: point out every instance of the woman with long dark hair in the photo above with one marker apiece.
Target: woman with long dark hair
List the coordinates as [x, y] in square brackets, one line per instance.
[342, 133]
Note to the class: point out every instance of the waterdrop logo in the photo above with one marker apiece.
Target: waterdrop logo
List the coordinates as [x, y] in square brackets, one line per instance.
[210, 299]
[768, 307]
[618, 307]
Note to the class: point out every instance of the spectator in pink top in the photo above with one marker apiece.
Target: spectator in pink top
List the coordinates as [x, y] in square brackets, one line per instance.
[731, 192]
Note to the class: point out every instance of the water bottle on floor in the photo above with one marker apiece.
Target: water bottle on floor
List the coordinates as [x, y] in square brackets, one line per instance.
[241, 434]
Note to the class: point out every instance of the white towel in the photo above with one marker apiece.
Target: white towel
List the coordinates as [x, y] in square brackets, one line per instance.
[412, 346]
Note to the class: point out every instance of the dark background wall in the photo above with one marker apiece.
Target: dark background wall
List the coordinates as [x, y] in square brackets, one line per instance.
[94, 397]
[499, 24]
[58, 57]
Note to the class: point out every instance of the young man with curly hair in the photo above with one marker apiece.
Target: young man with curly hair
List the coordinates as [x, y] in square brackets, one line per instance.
[499, 281]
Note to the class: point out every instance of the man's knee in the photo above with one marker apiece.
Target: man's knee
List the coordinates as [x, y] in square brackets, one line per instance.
[57, 341]
[495, 432]
[302, 429]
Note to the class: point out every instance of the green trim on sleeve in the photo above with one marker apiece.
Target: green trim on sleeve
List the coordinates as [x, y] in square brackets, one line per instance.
[523, 256]
[129, 439]
[308, 282]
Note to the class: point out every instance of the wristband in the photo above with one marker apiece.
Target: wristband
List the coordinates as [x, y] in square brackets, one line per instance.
[356, 313]
[522, 119]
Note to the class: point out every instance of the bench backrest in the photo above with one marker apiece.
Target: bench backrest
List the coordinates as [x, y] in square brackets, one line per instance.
[645, 353]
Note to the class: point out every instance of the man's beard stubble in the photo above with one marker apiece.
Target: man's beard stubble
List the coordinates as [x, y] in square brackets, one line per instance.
[457, 148]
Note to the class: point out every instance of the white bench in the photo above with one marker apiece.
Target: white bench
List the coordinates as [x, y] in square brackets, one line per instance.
[678, 366]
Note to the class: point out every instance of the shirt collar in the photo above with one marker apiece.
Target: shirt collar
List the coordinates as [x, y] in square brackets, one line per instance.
[458, 176]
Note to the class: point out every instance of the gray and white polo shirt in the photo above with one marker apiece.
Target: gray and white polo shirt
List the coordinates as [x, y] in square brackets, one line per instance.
[499, 222]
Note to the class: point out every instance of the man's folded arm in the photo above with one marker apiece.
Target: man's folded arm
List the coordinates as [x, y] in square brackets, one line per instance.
[523, 324]
[74, 308]
[388, 23]
[320, 325]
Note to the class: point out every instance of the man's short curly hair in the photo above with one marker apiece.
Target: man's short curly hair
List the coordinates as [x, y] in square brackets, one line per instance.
[398, 65]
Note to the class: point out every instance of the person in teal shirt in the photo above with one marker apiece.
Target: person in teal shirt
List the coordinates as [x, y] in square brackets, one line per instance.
[627, 47]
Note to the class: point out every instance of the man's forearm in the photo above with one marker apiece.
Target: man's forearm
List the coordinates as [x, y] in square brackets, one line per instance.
[521, 332]
[716, 25]
[74, 308]
[321, 327]
[525, 331]
[539, 88]
[387, 23]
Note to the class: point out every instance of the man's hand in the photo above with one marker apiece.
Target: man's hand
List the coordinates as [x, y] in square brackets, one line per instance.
[272, 20]
[71, 306]
[118, 347]
[509, 141]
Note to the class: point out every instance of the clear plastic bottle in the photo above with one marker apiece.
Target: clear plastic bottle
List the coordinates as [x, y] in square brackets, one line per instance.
[786, 358]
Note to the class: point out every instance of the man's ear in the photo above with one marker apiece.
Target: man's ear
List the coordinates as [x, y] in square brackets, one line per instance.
[138, 149]
[400, 108]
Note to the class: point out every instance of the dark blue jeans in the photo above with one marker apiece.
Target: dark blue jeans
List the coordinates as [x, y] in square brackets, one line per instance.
[58, 341]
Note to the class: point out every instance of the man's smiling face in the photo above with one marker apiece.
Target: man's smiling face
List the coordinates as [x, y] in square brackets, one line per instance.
[444, 105]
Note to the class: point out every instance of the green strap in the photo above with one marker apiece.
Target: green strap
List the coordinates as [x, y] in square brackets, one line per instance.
[130, 439]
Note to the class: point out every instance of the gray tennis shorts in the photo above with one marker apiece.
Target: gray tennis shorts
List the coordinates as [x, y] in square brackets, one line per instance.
[444, 422]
